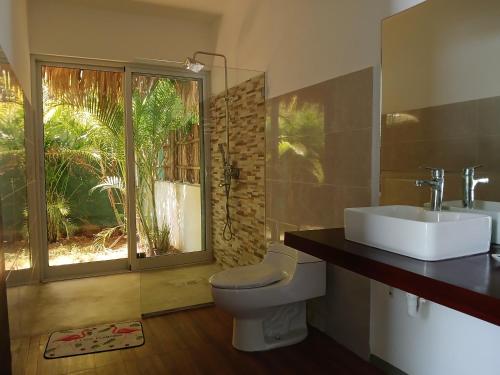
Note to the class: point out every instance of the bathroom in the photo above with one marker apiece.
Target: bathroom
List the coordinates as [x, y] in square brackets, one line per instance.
[303, 109]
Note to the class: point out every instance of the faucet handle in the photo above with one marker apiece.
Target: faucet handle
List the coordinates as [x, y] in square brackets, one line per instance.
[469, 171]
[436, 172]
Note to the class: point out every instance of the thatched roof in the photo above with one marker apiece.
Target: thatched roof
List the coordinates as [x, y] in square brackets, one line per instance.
[10, 89]
[73, 82]
[109, 85]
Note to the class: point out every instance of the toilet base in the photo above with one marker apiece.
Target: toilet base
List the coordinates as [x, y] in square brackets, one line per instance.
[271, 328]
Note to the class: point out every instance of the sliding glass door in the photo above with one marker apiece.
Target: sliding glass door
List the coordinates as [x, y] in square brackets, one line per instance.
[121, 161]
[168, 144]
[84, 170]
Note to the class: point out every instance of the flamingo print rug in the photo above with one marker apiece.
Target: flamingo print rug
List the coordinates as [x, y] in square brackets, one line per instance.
[94, 339]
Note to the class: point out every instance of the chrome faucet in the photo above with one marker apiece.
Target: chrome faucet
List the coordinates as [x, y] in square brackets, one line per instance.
[437, 187]
[469, 184]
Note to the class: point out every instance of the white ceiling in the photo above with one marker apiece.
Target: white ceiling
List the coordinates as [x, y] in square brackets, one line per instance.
[204, 6]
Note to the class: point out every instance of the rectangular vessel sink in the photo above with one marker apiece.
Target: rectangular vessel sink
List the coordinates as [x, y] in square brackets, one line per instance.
[417, 232]
[492, 209]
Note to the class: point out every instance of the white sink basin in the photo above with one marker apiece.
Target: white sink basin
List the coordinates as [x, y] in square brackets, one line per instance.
[417, 232]
[492, 209]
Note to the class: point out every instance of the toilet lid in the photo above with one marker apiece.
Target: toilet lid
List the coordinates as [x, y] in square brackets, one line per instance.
[246, 277]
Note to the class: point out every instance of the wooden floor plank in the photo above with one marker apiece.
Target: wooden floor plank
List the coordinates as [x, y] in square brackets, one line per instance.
[193, 342]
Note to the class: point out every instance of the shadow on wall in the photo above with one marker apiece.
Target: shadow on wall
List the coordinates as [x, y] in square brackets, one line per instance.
[318, 153]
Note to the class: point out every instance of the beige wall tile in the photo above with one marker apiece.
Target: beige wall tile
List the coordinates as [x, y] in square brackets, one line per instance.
[488, 116]
[489, 152]
[451, 121]
[348, 158]
[350, 107]
[451, 136]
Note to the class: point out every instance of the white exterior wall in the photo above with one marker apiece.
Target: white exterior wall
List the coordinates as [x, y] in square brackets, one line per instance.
[179, 205]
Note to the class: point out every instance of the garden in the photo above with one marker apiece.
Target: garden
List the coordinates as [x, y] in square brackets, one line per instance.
[85, 165]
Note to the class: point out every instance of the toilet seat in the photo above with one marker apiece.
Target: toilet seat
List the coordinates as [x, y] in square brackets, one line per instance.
[247, 277]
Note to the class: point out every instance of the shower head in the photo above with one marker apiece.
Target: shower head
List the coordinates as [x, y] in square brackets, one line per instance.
[194, 65]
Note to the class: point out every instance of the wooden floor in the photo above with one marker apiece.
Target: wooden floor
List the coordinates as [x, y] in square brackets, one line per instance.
[193, 342]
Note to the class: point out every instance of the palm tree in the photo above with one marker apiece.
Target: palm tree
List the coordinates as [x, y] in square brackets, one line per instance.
[12, 156]
[158, 111]
[95, 98]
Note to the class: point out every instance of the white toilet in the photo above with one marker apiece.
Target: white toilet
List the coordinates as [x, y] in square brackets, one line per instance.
[268, 300]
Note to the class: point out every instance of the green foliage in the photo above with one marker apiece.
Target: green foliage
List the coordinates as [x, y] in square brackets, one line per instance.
[162, 239]
[84, 136]
[68, 155]
[59, 224]
[12, 164]
[105, 235]
[157, 113]
[84, 142]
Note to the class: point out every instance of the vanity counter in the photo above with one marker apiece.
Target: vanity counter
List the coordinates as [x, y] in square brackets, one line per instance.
[470, 284]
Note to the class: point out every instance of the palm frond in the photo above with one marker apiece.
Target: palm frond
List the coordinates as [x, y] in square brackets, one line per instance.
[110, 182]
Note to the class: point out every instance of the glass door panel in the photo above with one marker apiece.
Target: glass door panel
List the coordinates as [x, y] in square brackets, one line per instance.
[84, 159]
[13, 188]
[168, 158]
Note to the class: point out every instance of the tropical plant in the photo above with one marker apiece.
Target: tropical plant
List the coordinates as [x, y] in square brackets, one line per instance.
[158, 111]
[66, 153]
[96, 111]
[94, 101]
[12, 155]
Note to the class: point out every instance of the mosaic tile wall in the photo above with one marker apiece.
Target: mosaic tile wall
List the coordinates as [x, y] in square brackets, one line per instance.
[247, 200]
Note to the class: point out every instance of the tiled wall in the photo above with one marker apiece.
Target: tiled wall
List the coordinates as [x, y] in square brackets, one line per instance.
[318, 162]
[318, 151]
[451, 136]
[247, 200]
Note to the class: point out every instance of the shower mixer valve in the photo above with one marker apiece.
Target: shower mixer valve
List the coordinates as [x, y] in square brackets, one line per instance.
[230, 171]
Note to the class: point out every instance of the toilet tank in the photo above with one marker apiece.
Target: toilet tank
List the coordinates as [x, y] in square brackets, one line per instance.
[282, 257]
[307, 273]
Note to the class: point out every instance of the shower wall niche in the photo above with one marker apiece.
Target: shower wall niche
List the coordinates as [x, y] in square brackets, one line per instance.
[247, 115]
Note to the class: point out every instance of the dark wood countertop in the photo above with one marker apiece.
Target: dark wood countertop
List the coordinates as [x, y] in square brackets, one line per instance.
[469, 284]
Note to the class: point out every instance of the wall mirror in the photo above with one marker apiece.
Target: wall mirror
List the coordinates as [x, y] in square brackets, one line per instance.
[440, 99]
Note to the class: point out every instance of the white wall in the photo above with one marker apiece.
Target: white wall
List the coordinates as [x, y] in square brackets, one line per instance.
[299, 43]
[434, 55]
[125, 32]
[14, 40]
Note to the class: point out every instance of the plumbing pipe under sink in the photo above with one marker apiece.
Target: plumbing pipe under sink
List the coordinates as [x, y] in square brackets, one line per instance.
[414, 304]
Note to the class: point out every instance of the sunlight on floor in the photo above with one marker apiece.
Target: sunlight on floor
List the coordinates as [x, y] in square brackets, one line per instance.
[43, 308]
[171, 289]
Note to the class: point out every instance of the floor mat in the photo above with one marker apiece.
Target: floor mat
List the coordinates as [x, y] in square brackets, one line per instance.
[95, 339]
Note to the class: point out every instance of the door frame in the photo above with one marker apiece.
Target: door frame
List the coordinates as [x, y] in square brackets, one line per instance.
[41, 271]
[206, 254]
[76, 270]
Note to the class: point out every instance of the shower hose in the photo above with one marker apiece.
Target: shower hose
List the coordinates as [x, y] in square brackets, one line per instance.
[227, 233]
